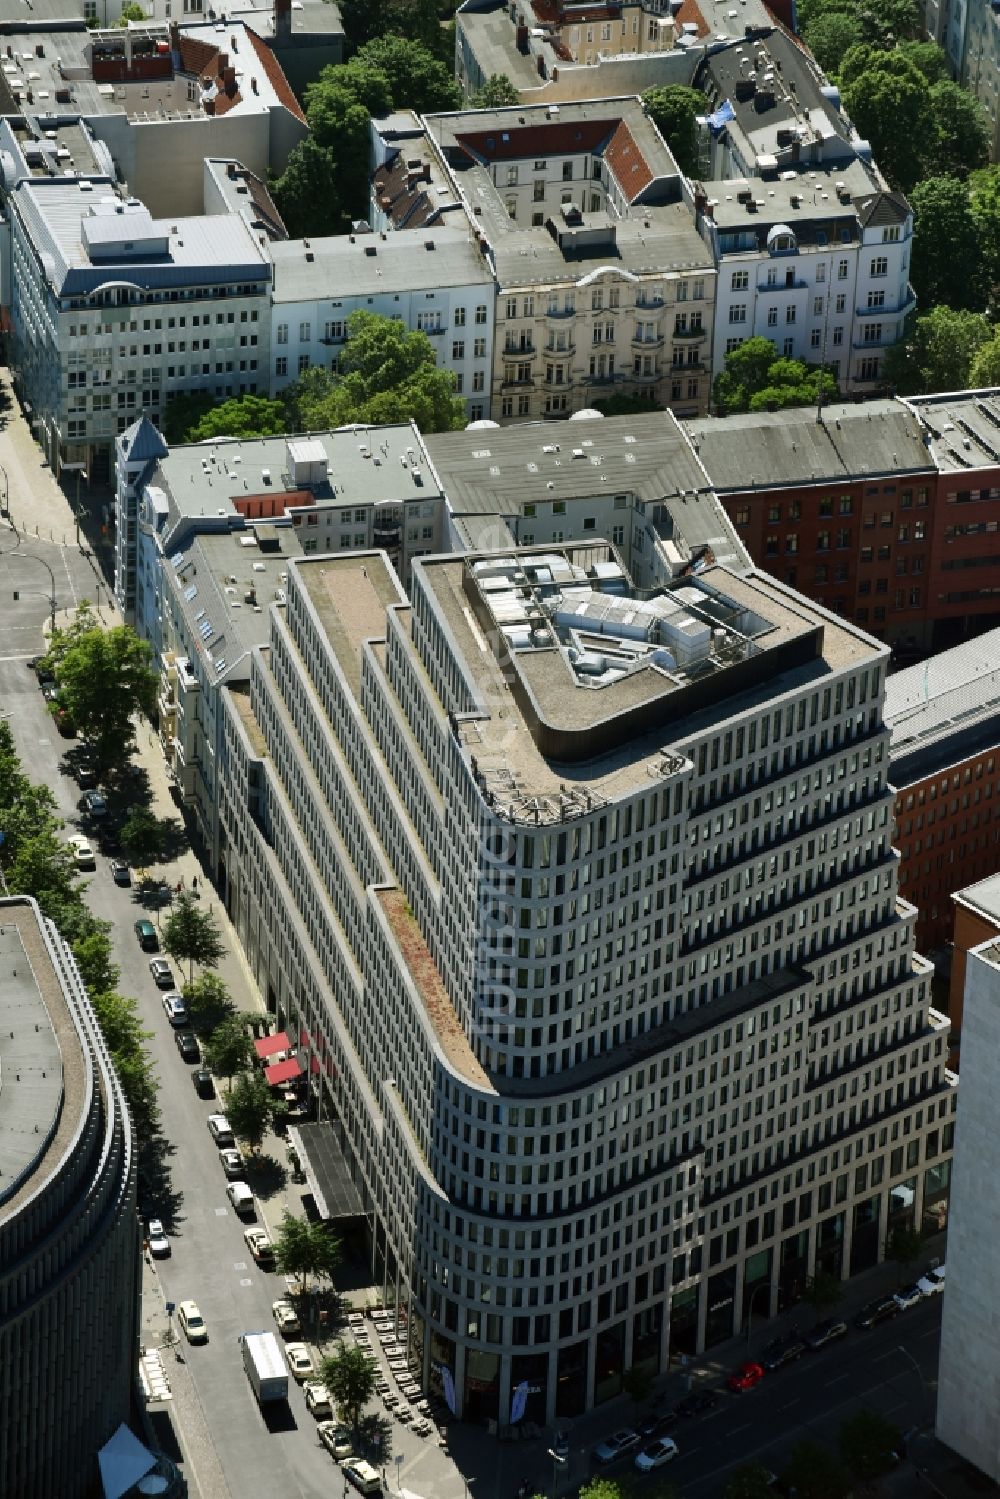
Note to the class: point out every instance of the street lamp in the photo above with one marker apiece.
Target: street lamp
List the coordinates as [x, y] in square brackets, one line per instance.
[559, 1464]
[765, 1285]
[30, 557]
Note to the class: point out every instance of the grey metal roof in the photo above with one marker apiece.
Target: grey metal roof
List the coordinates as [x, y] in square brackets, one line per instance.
[664, 240]
[984, 897]
[142, 442]
[31, 1067]
[492, 40]
[945, 708]
[805, 201]
[770, 449]
[367, 265]
[963, 427]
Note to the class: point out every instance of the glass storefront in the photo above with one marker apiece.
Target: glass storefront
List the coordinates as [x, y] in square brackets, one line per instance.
[442, 1358]
[482, 1386]
[531, 1369]
[571, 1380]
[646, 1328]
[756, 1287]
[901, 1206]
[793, 1268]
[684, 1322]
[830, 1246]
[721, 1301]
[865, 1235]
[937, 1190]
[609, 1365]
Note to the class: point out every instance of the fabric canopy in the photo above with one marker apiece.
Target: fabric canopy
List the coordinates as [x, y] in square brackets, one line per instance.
[123, 1461]
[282, 1072]
[268, 1045]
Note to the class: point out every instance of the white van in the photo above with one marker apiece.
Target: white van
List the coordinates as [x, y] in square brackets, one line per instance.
[365, 1478]
[241, 1197]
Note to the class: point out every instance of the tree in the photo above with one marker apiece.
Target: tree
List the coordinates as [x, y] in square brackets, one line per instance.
[938, 351]
[755, 379]
[185, 409]
[92, 954]
[349, 1375]
[985, 367]
[385, 374]
[984, 188]
[638, 1383]
[823, 1291]
[126, 1039]
[307, 194]
[945, 234]
[209, 1003]
[252, 1108]
[889, 21]
[927, 57]
[831, 35]
[868, 1444]
[131, 12]
[229, 1049]
[814, 1473]
[105, 678]
[142, 837]
[890, 104]
[963, 142]
[417, 79]
[305, 1249]
[751, 1481]
[674, 110]
[903, 1245]
[243, 416]
[191, 934]
[365, 19]
[495, 93]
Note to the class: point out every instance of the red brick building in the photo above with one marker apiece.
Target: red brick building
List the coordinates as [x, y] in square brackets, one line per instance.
[944, 761]
[977, 919]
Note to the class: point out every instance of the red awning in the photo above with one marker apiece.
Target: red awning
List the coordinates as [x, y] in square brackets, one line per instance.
[268, 1045]
[282, 1072]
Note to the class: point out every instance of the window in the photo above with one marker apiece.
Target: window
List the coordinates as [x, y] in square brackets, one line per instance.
[429, 322]
[789, 314]
[843, 538]
[458, 348]
[788, 348]
[478, 380]
[281, 334]
[512, 176]
[868, 369]
[822, 541]
[738, 312]
[771, 545]
[742, 515]
[846, 505]
[303, 363]
[481, 313]
[820, 275]
[876, 299]
[890, 234]
[567, 171]
[791, 544]
[740, 280]
[305, 332]
[281, 365]
[794, 510]
[538, 191]
[838, 337]
[479, 349]
[459, 317]
[459, 384]
[774, 512]
[596, 300]
[733, 343]
[879, 266]
[919, 527]
[841, 304]
[772, 317]
[871, 333]
[843, 267]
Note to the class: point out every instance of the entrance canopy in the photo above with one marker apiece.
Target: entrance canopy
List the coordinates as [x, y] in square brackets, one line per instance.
[268, 1045]
[327, 1172]
[282, 1072]
[123, 1461]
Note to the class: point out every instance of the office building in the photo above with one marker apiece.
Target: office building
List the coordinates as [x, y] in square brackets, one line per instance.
[968, 1386]
[591, 935]
[943, 717]
[977, 921]
[69, 1236]
[603, 285]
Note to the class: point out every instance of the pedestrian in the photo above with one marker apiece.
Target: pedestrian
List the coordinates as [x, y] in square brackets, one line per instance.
[194, 883]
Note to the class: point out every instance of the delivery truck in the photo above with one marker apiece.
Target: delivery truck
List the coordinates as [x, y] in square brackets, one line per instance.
[265, 1365]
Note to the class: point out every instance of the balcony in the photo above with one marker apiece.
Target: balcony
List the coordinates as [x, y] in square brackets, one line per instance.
[904, 307]
[434, 332]
[655, 342]
[650, 303]
[691, 333]
[560, 312]
[515, 382]
[518, 351]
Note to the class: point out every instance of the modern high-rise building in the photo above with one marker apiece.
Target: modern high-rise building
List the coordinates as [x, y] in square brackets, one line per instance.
[579, 901]
[69, 1236]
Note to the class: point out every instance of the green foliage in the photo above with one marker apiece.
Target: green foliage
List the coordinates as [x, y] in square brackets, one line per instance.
[751, 1481]
[415, 19]
[306, 1249]
[890, 104]
[105, 679]
[928, 58]
[229, 1049]
[937, 352]
[142, 837]
[209, 1003]
[118, 1017]
[814, 1473]
[823, 1291]
[417, 79]
[831, 35]
[496, 92]
[756, 379]
[92, 952]
[984, 190]
[349, 1374]
[243, 416]
[621, 404]
[868, 1445]
[385, 374]
[601, 1488]
[945, 235]
[131, 12]
[985, 367]
[904, 1245]
[252, 1108]
[674, 111]
[185, 409]
[963, 142]
[888, 21]
[191, 934]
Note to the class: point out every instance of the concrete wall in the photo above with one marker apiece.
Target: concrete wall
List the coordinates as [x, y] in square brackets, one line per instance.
[971, 929]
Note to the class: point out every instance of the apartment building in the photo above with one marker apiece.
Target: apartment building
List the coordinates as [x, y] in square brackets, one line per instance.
[69, 1236]
[811, 250]
[436, 282]
[944, 756]
[113, 310]
[590, 932]
[603, 284]
[838, 503]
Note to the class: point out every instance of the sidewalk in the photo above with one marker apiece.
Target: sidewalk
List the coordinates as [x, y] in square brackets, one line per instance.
[35, 503]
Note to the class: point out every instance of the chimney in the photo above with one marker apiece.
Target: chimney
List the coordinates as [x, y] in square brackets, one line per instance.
[174, 32]
[223, 64]
[229, 79]
[282, 20]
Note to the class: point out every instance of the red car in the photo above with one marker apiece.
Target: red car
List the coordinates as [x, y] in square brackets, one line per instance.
[745, 1377]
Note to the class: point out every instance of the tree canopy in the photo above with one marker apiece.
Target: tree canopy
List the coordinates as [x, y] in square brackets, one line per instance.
[890, 103]
[191, 934]
[751, 1481]
[306, 1249]
[755, 378]
[945, 235]
[252, 1108]
[349, 1374]
[243, 416]
[105, 678]
[674, 110]
[229, 1049]
[869, 1444]
[142, 837]
[495, 93]
[937, 351]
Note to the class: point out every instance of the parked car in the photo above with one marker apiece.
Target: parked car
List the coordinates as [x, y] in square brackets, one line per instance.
[219, 1129]
[83, 854]
[336, 1439]
[120, 872]
[932, 1284]
[826, 1332]
[204, 1083]
[615, 1446]
[745, 1377]
[260, 1246]
[300, 1361]
[159, 1244]
[146, 936]
[96, 803]
[187, 1044]
[286, 1317]
[175, 1008]
[656, 1426]
[162, 974]
[86, 776]
[876, 1311]
[785, 1352]
[241, 1197]
[39, 665]
[908, 1296]
[698, 1402]
[192, 1322]
[318, 1401]
[362, 1476]
[664, 1450]
[232, 1163]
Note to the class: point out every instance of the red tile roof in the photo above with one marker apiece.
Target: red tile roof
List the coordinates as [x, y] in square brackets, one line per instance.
[275, 76]
[556, 138]
[689, 14]
[198, 57]
[627, 163]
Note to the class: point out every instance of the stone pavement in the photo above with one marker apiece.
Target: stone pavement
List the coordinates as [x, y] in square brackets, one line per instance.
[36, 504]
